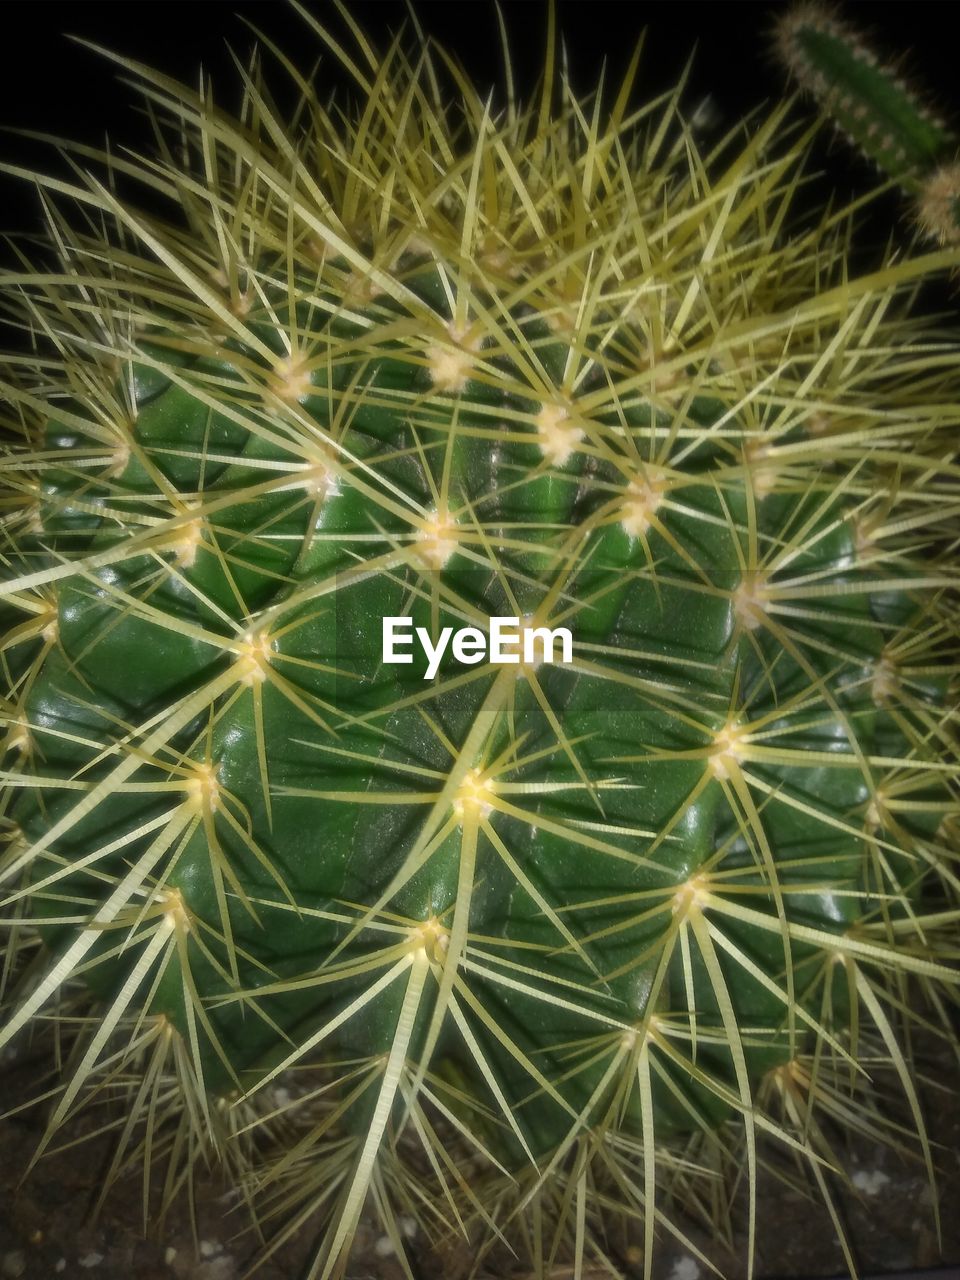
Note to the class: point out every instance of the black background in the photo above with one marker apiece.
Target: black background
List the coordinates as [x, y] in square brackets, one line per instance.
[51, 84]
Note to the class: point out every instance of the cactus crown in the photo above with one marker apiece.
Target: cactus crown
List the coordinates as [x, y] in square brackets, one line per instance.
[517, 931]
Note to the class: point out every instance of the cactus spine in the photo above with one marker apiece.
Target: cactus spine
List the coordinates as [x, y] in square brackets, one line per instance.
[881, 114]
[543, 948]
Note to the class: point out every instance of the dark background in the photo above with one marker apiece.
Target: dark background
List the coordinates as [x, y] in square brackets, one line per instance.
[49, 83]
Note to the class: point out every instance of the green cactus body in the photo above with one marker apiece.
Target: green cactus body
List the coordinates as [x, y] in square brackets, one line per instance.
[881, 114]
[550, 915]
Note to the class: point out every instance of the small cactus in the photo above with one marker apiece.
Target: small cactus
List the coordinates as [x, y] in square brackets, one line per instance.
[878, 110]
[534, 950]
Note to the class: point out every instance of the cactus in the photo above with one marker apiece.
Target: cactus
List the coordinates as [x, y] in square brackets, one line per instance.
[878, 110]
[544, 952]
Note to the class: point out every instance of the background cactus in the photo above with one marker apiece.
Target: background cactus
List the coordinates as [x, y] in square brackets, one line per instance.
[546, 948]
[878, 110]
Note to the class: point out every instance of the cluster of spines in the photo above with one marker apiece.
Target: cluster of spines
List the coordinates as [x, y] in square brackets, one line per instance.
[880, 112]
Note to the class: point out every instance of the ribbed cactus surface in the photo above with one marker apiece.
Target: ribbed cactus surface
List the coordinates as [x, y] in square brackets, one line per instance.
[522, 927]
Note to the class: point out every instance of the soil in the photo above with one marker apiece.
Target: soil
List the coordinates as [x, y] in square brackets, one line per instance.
[46, 1232]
